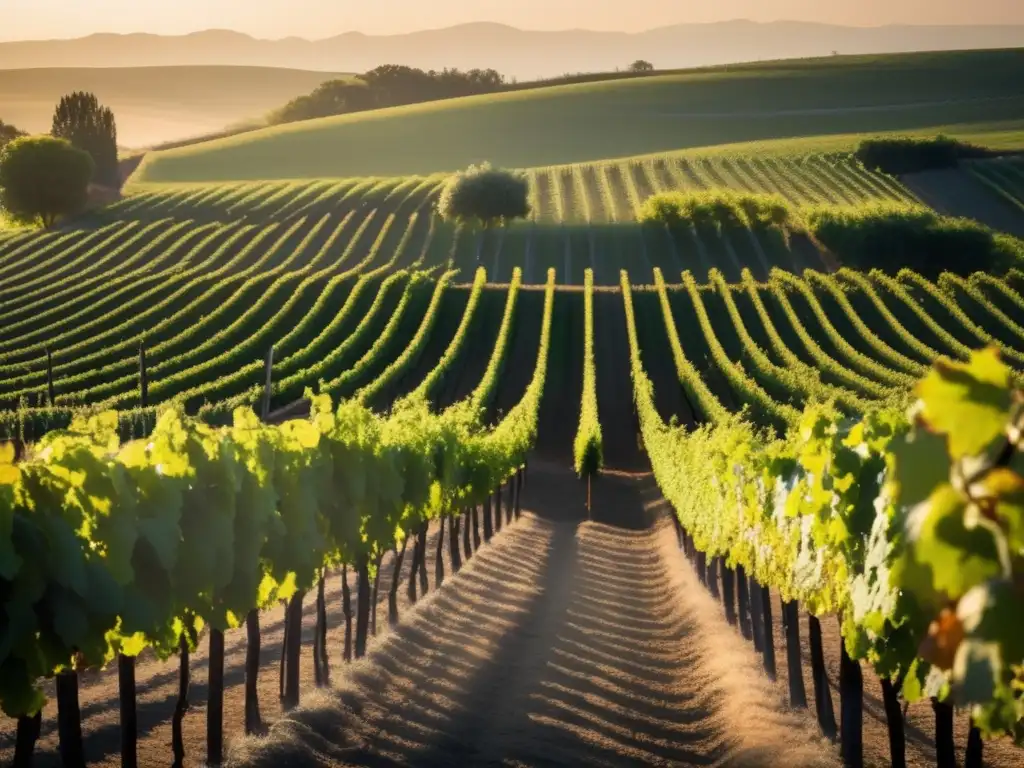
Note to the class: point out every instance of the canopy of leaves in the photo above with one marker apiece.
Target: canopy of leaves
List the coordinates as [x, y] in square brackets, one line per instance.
[909, 154]
[640, 65]
[486, 195]
[88, 125]
[43, 178]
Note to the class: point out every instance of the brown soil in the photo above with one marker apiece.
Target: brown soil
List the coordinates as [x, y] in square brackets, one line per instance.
[955, 192]
[564, 642]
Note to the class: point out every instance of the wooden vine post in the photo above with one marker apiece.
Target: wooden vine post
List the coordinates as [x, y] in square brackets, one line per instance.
[395, 581]
[851, 708]
[439, 557]
[69, 720]
[215, 700]
[822, 694]
[293, 651]
[497, 509]
[181, 705]
[253, 644]
[589, 475]
[767, 624]
[794, 667]
[728, 591]
[894, 722]
[973, 758]
[346, 609]
[128, 713]
[362, 605]
[453, 542]
[743, 602]
[488, 528]
[322, 670]
[945, 746]
[25, 741]
[129, 721]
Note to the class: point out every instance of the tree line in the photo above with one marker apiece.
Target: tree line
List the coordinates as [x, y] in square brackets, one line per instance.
[44, 178]
[394, 85]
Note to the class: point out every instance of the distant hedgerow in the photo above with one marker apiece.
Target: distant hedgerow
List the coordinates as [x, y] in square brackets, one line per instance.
[891, 236]
[486, 195]
[910, 154]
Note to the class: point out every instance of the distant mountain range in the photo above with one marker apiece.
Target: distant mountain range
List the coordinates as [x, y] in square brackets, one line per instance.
[514, 52]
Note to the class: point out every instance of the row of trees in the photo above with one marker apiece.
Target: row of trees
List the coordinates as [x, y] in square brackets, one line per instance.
[393, 85]
[43, 178]
[389, 85]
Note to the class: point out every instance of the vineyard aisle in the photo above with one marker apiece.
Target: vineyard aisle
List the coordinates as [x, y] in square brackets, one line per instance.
[563, 642]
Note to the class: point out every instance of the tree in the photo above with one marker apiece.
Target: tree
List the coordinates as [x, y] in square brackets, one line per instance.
[641, 66]
[88, 125]
[43, 178]
[486, 195]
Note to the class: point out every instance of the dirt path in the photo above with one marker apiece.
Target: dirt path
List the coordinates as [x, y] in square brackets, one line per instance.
[955, 192]
[564, 642]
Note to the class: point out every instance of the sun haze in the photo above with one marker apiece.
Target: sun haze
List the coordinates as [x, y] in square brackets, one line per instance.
[45, 19]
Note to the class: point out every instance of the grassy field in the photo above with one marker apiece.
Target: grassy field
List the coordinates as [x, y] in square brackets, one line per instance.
[156, 104]
[591, 121]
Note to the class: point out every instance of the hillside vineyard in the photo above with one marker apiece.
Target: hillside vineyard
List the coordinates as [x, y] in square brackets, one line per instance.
[411, 377]
[339, 278]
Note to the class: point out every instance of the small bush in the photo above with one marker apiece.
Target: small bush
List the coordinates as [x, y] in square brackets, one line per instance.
[718, 208]
[890, 236]
[909, 154]
[486, 195]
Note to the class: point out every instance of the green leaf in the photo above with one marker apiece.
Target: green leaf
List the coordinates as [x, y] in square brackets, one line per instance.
[968, 402]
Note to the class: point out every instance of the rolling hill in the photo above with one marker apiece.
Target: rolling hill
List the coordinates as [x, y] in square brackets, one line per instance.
[618, 118]
[525, 54]
[155, 104]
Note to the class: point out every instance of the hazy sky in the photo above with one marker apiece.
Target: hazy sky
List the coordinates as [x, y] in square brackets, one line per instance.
[41, 19]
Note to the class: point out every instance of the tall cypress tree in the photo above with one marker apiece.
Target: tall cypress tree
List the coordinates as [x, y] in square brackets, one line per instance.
[88, 125]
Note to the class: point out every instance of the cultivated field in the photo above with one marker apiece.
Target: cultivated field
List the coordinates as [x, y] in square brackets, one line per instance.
[573, 634]
[545, 126]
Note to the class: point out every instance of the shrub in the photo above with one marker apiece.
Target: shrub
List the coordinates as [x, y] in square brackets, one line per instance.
[718, 208]
[43, 178]
[890, 236]
[909, 154]
[486, 195]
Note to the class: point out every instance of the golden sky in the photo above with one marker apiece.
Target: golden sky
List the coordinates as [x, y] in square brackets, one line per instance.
[43, 19]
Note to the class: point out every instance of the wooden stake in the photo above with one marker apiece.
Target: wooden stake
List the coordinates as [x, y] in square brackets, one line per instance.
[128, 714]
[253, 721]
[25, 741]
[215, 700]
[69, 721]
[181, 706]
